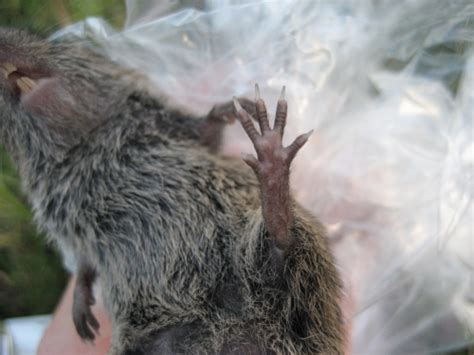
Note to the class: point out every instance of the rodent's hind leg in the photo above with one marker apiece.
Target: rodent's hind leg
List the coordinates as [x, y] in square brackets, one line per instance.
[210, 128]
[272, 167]
[84, 321]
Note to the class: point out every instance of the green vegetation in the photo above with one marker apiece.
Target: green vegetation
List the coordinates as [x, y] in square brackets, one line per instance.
[31, 274]
[47, 16]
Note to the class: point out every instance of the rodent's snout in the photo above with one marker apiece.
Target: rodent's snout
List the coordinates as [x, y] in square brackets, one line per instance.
[19, 62]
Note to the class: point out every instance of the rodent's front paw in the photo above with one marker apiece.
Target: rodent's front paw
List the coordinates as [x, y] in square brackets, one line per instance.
[85, 322]
[226, 111]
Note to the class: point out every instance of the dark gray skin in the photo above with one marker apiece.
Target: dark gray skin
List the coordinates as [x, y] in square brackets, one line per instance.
[195, 252]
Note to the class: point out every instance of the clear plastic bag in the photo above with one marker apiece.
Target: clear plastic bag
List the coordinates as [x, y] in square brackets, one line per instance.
[389, 88]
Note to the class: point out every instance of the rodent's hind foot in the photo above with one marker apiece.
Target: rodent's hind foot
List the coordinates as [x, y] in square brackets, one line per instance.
[268, 145]
[272, 165]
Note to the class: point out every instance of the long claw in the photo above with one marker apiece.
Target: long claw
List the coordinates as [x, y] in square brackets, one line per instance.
[299, 142]
[282, 94]
[89, 335]
[84, 331]
[93, 321]
[237, 105]
[257, 93]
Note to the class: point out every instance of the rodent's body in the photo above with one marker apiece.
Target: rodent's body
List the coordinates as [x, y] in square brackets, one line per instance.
[179, 241]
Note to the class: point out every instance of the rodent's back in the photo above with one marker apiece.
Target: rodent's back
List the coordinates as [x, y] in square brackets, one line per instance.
[147, 198]
[188, 228]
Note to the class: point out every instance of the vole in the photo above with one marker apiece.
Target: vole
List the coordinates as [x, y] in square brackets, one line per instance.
[196, 253]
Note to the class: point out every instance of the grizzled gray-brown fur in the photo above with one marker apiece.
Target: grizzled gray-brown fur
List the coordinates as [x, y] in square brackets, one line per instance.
[196, 253]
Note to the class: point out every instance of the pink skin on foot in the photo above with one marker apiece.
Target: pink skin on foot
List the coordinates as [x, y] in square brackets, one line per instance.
[272, 166]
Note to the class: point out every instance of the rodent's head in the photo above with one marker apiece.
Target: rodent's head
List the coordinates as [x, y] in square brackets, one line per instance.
[66, 85]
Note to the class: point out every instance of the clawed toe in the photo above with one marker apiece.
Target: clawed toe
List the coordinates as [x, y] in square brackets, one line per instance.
[85, 322]
[86, 325]
[272, 167]
[268, 143]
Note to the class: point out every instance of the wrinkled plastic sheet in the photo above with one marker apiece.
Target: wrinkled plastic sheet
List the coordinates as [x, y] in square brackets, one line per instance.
[389, 88]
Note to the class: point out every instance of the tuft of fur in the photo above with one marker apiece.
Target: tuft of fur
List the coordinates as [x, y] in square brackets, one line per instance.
[175, 232]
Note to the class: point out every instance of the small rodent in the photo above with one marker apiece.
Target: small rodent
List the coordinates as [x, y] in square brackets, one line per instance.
[196, 253]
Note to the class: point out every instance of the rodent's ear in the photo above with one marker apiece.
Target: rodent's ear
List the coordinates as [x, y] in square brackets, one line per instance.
[68, 84]
[46, 97]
